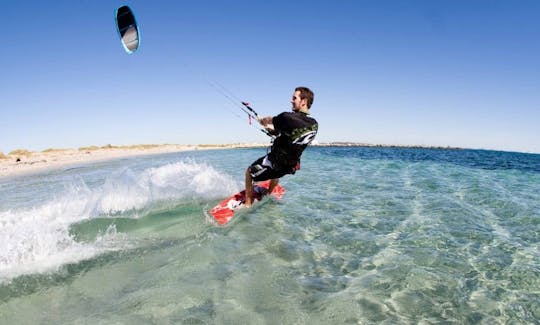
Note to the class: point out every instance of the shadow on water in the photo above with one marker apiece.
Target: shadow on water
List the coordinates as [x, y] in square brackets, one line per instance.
[482, 159]
[32, 283]
[150, 223]
[181, 227]
[29, 284]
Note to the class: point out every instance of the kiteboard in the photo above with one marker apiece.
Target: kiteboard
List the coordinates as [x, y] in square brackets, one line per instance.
[127, 29]
[224, 211]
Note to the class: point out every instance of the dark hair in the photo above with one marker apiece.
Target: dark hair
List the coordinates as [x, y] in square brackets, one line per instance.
[306, 93]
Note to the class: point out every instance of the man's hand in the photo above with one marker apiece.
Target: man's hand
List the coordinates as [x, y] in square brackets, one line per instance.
[264, 121]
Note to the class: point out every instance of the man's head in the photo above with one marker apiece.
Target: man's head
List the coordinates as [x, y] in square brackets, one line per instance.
[302, 99]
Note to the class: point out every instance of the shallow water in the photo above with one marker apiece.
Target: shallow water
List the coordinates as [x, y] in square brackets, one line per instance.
[362, 236]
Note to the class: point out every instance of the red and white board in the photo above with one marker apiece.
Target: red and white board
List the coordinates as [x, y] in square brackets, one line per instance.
[224, 212]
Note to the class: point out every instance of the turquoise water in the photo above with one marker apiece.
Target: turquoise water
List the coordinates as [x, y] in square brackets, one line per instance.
[362, 236]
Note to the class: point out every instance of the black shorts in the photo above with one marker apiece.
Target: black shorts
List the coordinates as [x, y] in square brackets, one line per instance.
[262, 169]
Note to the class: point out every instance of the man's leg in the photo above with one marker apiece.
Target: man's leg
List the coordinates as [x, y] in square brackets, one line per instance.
[249, 187]
[273, 183]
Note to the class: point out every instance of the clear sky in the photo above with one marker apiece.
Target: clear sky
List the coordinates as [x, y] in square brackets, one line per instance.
[442, 73]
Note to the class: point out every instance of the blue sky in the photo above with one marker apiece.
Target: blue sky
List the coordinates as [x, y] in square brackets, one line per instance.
[441, 73]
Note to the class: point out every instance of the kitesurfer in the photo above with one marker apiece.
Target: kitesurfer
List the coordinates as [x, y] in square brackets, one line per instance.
[294, 131]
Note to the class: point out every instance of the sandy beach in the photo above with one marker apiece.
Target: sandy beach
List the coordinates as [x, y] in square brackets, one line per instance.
[22, 161]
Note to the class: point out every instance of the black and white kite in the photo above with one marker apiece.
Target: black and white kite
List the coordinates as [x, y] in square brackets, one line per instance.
[127, 29]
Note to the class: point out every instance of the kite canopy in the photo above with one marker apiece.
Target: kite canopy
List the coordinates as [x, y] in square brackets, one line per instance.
[127, 29]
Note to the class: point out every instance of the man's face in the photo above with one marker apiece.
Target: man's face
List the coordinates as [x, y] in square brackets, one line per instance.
[296, 102]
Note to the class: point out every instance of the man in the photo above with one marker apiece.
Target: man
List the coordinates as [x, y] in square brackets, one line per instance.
[294, 131]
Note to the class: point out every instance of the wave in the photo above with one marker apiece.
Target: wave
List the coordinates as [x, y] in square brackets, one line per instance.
[38, 239]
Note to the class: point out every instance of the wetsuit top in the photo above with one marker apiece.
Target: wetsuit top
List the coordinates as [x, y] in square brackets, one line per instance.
[295, 131]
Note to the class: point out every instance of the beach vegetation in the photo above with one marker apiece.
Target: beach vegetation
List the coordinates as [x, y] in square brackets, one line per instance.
[211, 145]
[143, 146]
[20, 152]
[52, 150]
[90, 148]
[128, 147]
[2, 156]
[109, 146]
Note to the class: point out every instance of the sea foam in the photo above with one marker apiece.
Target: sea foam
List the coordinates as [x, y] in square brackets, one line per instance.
[37, 239]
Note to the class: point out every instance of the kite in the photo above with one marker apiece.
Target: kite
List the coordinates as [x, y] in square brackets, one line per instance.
[127, 29]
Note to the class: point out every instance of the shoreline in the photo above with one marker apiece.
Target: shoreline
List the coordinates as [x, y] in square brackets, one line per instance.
[23, 162]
